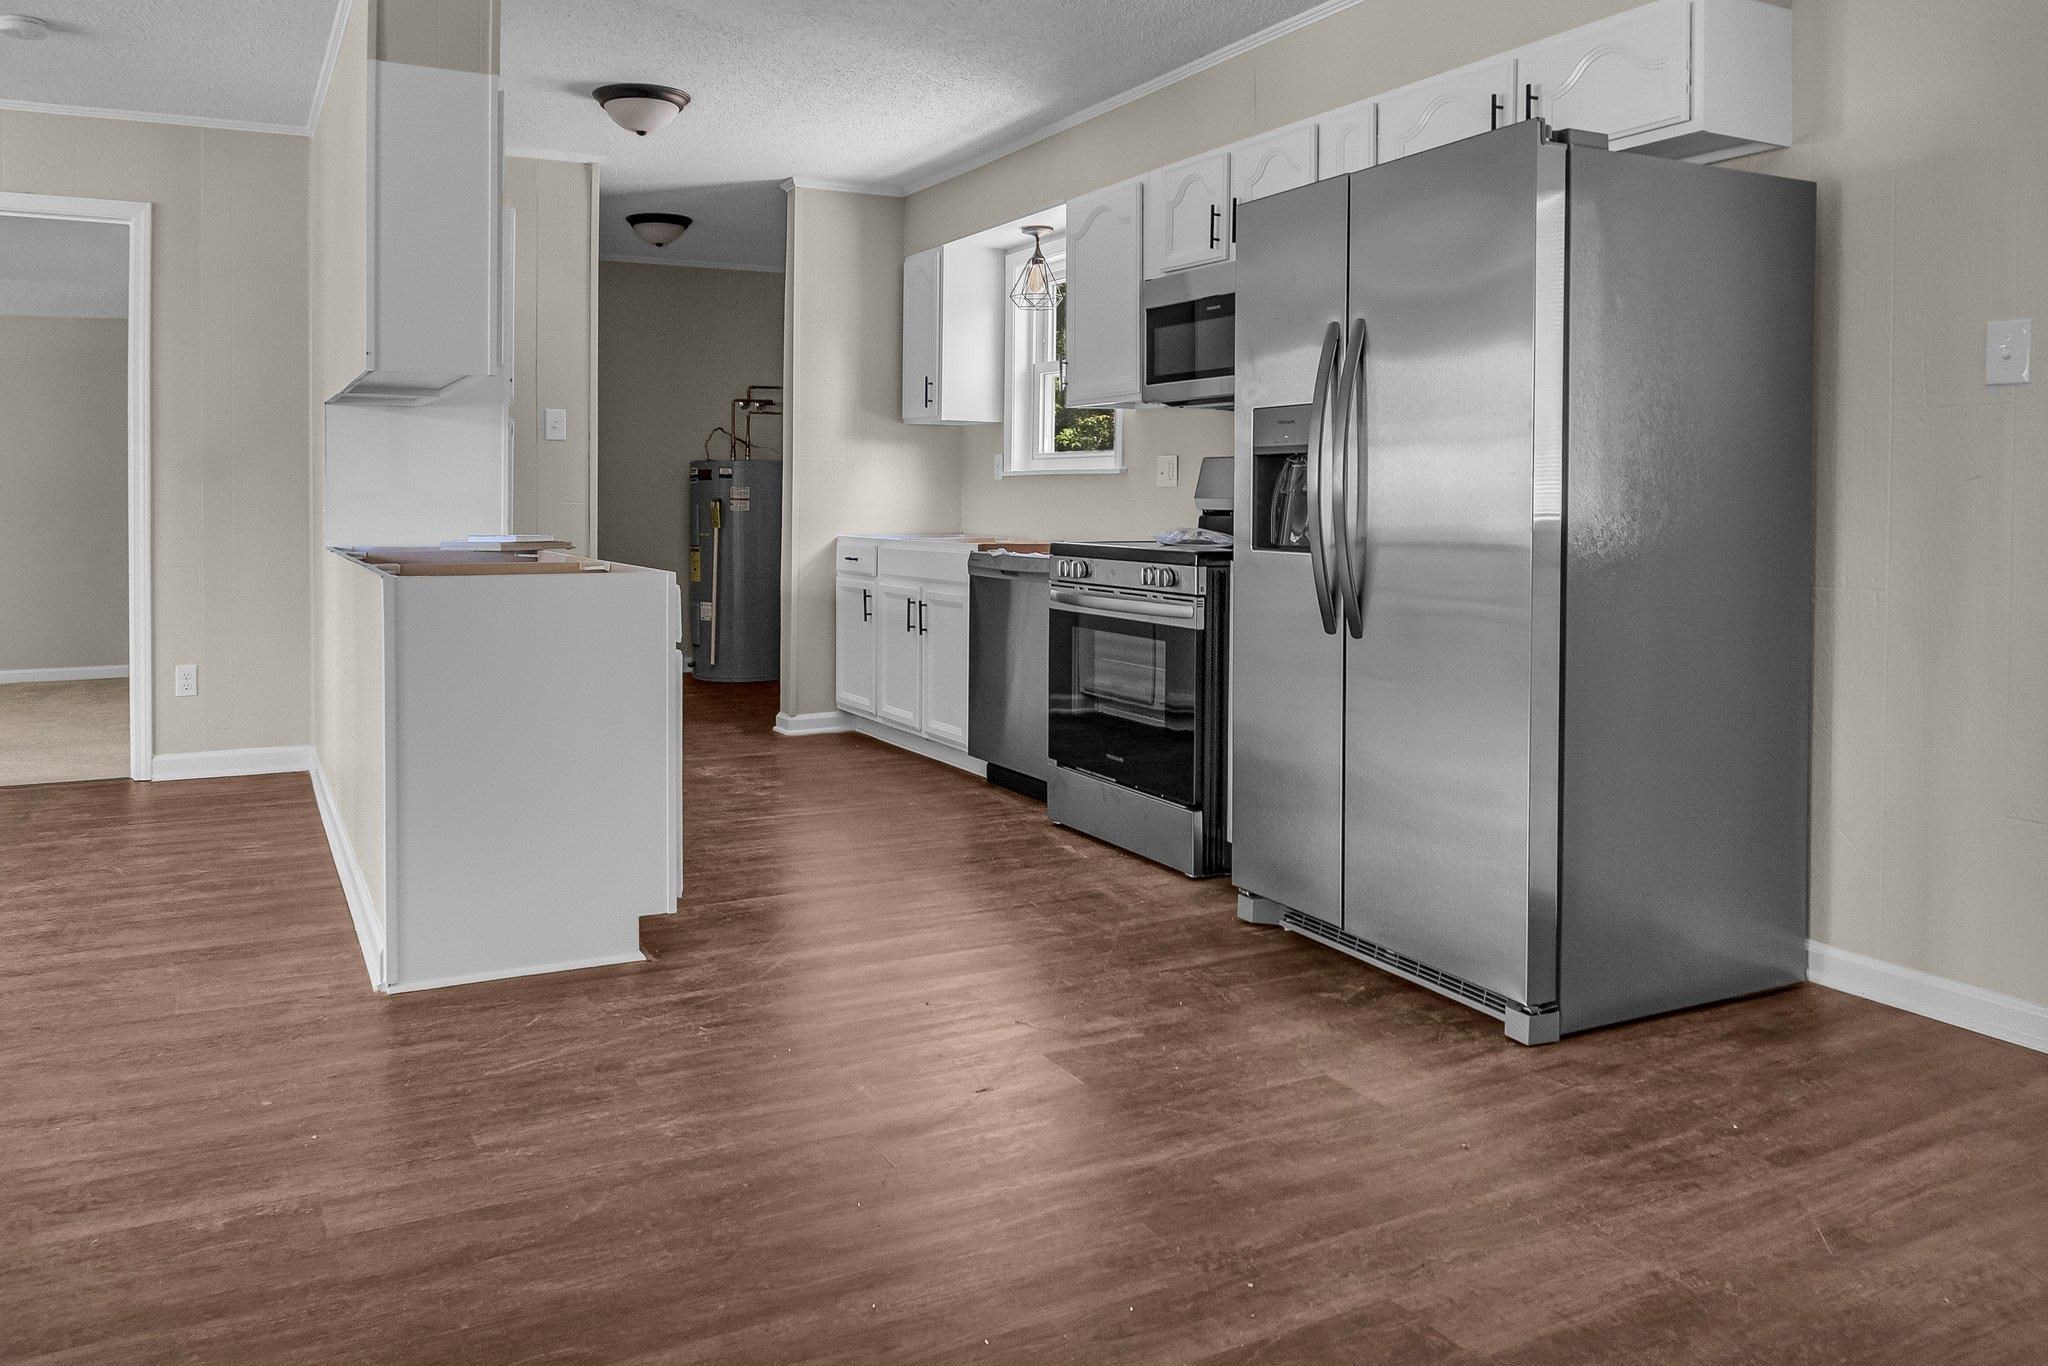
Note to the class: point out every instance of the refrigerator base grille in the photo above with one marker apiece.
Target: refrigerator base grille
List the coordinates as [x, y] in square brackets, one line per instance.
[1422, 974]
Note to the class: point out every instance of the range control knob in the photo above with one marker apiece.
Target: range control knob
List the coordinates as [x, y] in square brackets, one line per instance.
[1165, 578]
[1080, 569]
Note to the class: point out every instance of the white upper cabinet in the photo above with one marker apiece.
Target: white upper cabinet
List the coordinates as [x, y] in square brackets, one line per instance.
[921, 337]
[1345, 139]
[1274, 162]
[1624, 77]
[1187, 214]
[953, 297]
[1460, 104]
[1105, 266]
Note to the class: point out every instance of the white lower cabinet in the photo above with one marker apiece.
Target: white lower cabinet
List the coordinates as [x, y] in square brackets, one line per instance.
[942, 622]
[902, 634]
[899, 657]
[857, 636]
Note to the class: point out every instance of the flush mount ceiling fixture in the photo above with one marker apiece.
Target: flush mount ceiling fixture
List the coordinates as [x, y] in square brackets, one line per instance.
[641, 109]
[657, 229]
[1035, 287]
[24, 26]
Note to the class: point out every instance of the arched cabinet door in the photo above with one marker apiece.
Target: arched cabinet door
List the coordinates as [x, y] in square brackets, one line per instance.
[1105, 267]
[1187, 213]
[1628, 76]
[1446, 108]
[1267, 165]
[1345, 139]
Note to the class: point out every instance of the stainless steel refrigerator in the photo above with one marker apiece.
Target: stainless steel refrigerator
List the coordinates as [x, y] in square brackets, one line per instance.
[1523, 602]
[735, 570]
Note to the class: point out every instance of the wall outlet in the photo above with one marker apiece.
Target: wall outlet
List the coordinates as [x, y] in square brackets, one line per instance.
[185, 680]
[2008, 351]
[1169, 471]
[557, 420]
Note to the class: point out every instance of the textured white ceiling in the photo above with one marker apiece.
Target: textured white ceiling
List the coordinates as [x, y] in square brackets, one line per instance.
[231, 61]
[56, 268]
[864, 91]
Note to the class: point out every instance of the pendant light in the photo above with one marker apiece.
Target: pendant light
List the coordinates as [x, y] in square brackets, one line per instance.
[641, 109]
[1035, 287]
[658, 229]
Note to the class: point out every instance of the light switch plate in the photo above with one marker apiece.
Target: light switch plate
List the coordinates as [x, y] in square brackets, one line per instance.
[185, 680]
[2008, 351]
[1169, 471]
[557, 424]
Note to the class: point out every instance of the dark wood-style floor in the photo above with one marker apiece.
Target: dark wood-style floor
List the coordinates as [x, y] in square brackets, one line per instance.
[916, 1077]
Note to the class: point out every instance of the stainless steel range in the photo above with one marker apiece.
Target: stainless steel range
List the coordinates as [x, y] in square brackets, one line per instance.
[1138, 681]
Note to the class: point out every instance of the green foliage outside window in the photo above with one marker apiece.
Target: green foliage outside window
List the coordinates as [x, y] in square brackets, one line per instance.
[1076, 429]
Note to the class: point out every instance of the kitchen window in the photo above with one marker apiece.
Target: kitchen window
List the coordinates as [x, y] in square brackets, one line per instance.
[1041, 435]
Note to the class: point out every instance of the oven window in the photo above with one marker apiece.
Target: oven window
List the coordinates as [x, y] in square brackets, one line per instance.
[1124, 699]
[1194, 340]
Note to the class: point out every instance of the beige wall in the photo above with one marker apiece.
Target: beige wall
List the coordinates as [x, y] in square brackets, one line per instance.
[853, 465]
[63, 492]
[229, 425]
[677, 344]
[554, 345]
[1930, 816]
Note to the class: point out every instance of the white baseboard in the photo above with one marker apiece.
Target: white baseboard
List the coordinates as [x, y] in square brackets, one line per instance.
[917, 744]
[231, 763]
[355, 887]
[1938, 998]
[66, 675]
[535, 971]
[813, 723]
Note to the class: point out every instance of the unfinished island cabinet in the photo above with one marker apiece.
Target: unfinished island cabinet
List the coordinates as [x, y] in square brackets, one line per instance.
[504, 765]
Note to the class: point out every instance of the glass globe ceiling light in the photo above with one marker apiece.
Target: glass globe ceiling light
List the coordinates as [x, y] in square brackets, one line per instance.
[1035, 287]
[658, 229]
[641, 109]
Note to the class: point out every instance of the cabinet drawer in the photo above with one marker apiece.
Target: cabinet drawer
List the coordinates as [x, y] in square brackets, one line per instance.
[857, 559]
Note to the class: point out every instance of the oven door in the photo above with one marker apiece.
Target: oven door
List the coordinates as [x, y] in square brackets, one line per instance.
[1128, 679]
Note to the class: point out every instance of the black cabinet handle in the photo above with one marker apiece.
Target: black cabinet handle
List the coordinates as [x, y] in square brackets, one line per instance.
[909, 614]
[1233, 220]
[927, 391]
[1529, 101]
[1215, 225]
[920, 618]
[1499, 108]
[867, 606]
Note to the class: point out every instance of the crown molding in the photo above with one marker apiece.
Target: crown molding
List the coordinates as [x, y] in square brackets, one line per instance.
[803, 182]
[544, 154]
[976, 160]
[147, 116]
[685, 261]
[327, 65]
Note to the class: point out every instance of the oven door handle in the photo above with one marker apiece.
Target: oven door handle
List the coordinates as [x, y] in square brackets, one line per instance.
[1145, 610]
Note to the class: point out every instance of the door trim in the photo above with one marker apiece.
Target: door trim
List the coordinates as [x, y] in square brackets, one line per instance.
[136, 217]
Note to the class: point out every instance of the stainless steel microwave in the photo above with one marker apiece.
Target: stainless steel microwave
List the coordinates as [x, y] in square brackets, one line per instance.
[1191, 337]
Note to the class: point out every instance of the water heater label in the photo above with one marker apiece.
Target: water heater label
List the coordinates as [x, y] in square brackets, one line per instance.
[742, 497]
[703, 611]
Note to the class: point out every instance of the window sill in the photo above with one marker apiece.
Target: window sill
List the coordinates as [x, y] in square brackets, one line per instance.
[1003, 472]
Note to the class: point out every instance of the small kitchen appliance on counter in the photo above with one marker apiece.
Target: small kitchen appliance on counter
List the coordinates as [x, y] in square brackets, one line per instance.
[1138, 700]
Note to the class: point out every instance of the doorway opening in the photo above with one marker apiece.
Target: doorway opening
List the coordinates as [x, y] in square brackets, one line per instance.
[75, 634]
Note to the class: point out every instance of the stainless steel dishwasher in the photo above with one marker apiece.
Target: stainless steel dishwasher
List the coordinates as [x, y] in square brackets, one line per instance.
[1007, 626]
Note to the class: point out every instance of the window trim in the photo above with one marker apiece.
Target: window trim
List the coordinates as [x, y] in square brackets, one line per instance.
[1024, 382]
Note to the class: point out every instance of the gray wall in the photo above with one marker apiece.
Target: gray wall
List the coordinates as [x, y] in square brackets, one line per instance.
[676, 345]
[63, 492]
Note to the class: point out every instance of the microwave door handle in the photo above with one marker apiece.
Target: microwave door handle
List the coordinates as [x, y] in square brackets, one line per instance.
[1354, 456]
[1319, 519]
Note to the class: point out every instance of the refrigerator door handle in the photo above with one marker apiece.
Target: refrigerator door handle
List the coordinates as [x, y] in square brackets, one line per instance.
[1322, 508]
[1352, 456]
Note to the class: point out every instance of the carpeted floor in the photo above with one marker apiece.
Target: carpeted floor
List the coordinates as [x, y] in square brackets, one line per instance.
[63, 732]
